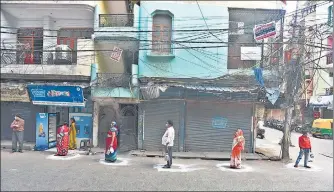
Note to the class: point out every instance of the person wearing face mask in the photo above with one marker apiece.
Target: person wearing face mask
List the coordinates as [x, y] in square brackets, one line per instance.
[17, 136]
[168, 142]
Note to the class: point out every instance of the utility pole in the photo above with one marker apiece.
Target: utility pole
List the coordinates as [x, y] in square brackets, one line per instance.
[291, 85]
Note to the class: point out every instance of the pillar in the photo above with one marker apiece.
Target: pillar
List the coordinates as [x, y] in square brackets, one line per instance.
[49, 40]
[95, 123]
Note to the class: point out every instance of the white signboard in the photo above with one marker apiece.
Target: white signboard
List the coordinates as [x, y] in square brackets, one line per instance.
[251, 53]
[116, 54]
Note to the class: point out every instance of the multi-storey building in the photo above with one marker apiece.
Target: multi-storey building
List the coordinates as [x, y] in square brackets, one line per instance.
[194, 70]
[114, 75]
[46, 57]
[319, 76]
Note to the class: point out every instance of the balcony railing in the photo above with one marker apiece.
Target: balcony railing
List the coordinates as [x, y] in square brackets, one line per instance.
[113, 80]
[116, 20]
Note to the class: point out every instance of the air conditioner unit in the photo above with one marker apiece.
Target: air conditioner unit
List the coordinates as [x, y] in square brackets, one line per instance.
[63, 53]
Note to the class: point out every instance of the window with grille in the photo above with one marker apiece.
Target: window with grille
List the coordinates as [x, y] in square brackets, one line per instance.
[69, 36]
[29, 45]
[162, 34]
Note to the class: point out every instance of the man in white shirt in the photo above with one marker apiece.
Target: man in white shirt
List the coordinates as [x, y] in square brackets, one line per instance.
[168, 142]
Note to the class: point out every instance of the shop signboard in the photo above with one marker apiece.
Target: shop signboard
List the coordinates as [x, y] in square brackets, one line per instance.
[83, 122]
[264, 31]
[251, 53]
[42, 135]
[18, 94]
[56, 95]
[219, 122]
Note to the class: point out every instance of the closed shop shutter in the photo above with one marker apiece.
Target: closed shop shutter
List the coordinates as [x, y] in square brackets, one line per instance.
[27, 111]
[156, 115]
[200, 134]
[327, 114]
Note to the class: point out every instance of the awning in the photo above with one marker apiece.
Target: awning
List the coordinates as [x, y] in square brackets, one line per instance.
[321, 101]
[56, 95]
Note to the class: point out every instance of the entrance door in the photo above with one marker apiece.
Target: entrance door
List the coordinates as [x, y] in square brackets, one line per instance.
[128, 128]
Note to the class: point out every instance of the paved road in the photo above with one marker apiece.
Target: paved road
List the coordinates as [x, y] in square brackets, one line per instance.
[33, 171]
[322, 148]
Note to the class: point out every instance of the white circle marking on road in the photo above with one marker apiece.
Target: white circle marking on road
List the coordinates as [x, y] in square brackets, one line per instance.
[177, 168]
[302, 168]
[226, 167]
[67, 157]
[119, 162]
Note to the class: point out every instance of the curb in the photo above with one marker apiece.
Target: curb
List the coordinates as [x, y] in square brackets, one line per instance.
[26, 148]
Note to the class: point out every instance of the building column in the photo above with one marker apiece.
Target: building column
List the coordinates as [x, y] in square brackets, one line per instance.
[95, 123]
[49, 39]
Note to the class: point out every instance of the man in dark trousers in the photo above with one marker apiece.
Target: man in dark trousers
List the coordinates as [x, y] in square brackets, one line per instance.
[305, 149]
[17, 136]
[168, 142]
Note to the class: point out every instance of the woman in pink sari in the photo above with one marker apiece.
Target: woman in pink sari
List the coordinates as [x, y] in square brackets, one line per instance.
[62, 140]
[237, 147]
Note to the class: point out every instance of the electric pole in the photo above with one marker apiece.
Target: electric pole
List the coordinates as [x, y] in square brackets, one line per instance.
[292, 80]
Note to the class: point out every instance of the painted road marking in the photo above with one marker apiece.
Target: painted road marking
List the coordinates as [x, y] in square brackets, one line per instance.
[67, 157]
[119, 162]
[69, 151]
[177, 168]
[302, 168]
[226, 167]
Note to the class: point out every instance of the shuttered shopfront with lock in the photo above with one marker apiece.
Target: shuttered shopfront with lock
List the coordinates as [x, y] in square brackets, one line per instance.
[155, 116]
[200, 135]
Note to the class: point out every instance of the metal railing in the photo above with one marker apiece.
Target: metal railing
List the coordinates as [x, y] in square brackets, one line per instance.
[116, 20]
[113, 80]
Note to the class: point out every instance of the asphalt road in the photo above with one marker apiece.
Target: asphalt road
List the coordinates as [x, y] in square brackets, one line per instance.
[34, 172]
[322, 148]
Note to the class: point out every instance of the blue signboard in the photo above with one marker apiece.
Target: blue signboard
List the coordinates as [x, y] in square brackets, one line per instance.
[42, 135]
[56, 95]
[83, 122]
[219, 122]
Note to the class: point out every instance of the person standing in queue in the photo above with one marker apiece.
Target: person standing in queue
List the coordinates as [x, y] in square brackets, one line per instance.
[168, 142]
[305, 149]
[17, 136]
[62, 140]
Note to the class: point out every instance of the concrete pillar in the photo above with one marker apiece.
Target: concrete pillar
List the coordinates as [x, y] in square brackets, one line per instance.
[95, 123]
[49, 39]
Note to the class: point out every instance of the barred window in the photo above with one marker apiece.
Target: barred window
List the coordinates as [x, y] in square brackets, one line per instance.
[162, 34]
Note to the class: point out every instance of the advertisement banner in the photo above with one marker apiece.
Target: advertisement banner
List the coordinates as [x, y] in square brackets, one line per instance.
[264, 31]
[42, 137]
[56, 95]
[83, 123]
[251, 53]
[11, 93]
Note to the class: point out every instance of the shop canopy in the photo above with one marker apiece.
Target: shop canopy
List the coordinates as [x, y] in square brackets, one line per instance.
[322, 101]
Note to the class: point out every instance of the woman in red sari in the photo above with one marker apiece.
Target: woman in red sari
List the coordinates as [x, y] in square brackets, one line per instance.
[111, 145]
[62, 140]
[237, 147]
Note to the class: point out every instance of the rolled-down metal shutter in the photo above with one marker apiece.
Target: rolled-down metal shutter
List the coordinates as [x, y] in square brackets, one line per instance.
[200, 134]
[156, 115]
[27, 111]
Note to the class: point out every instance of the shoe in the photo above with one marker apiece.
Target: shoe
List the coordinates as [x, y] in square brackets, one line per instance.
[308, 167]
[166, 167]
[20, 151]
[295, 166]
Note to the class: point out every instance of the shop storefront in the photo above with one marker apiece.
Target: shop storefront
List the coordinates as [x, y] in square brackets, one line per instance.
[61, 104]
[322, 105]
[15, 100]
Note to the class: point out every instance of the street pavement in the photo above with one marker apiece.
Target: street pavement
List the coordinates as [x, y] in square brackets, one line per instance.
[38, 171]
[321, 148]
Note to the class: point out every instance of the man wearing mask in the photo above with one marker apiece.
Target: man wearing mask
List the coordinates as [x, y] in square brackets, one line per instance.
[17, 136]
[305, 149]
[168, 142]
